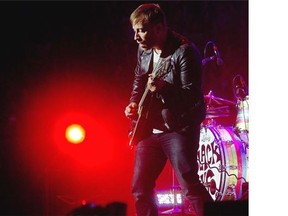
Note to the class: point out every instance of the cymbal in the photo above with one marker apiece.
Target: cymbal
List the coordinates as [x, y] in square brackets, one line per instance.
[210, 98]
[217, 112]
[219, 109]
[212, 116]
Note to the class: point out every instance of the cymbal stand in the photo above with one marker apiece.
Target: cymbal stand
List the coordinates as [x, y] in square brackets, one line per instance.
[176, 208]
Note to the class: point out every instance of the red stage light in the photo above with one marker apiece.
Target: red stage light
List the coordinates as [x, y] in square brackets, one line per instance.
[75, 134]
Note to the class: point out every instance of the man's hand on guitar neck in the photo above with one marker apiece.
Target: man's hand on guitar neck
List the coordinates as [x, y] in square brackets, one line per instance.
[131, 111]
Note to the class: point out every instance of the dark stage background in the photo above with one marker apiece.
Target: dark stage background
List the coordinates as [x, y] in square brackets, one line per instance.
[64, 62]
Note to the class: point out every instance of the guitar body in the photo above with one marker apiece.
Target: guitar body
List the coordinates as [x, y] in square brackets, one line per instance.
[139, 127]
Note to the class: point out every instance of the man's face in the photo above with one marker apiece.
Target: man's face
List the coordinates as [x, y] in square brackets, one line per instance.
[145, 35]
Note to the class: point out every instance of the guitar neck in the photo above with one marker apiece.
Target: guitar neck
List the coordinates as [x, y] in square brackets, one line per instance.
[159, 70]
[140, 105]
[154, 73]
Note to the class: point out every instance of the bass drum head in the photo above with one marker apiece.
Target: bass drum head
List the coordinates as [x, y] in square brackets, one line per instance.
[221, 160]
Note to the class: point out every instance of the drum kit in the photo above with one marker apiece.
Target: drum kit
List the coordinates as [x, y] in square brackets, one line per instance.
[223, 150]
[222, 155]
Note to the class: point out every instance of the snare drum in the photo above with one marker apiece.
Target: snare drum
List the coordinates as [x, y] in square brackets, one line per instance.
[222, 167]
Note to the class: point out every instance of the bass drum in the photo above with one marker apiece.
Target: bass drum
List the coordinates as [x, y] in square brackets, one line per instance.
[222, 167]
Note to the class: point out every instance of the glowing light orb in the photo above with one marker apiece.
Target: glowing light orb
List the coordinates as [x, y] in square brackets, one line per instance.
[75, 134]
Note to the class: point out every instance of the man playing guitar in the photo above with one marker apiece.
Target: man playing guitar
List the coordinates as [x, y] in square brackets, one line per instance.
[166, 109]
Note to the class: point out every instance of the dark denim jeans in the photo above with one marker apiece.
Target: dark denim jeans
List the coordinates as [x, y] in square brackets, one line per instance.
[151, 156]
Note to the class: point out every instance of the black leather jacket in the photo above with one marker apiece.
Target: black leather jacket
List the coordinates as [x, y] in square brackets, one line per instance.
[182, 97]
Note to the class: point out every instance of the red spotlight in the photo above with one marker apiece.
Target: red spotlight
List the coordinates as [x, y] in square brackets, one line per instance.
[81, 137]
[75, 134]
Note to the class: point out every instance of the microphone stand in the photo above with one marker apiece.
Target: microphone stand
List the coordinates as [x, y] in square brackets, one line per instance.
[176, 208]
[216, 54]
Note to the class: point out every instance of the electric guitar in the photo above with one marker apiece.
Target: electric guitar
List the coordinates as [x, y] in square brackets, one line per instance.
[138, 126]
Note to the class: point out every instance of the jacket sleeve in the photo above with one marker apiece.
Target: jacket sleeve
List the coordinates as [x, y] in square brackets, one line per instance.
[184, 88]
[140, 79]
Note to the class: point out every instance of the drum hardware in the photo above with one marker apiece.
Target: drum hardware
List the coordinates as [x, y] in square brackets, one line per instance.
[224, 168]
[242, 134]
[176, 208]
[246, 147]
[231, 192]
[229, 142]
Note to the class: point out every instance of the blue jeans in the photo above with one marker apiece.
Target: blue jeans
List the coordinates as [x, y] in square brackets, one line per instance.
[150, 159]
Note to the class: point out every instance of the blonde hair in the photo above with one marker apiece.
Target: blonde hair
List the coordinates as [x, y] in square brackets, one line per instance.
[148, 14]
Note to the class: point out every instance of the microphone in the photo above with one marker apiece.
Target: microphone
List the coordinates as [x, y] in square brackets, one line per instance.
[219, 60]
[240, 88]
[243, 85]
